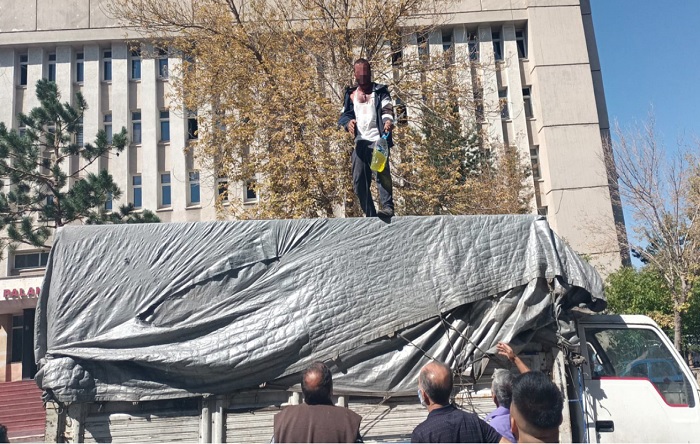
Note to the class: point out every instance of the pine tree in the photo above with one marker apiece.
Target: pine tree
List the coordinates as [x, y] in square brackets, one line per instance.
[36, 171]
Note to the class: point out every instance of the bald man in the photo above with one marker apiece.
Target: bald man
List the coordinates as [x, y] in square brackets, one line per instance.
[445, 422]
[317, 419]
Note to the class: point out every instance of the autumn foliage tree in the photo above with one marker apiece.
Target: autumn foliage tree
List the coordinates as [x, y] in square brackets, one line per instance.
[267, 79]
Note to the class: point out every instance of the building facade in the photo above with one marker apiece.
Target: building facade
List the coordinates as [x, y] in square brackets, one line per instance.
[546, 83]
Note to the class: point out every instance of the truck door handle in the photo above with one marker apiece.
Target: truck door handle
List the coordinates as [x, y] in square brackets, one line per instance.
[604, 426]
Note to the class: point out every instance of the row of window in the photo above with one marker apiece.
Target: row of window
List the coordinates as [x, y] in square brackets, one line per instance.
[192, 128]
[503, 103]
[520, 43]
[134, 66]
[162, 57]
[38, 260]
[473, 45]
[164, 120]
[193, 190]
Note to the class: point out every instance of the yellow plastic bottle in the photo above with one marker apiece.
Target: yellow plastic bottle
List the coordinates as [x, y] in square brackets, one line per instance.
[380, 154]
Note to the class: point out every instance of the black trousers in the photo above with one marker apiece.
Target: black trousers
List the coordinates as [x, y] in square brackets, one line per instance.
[362, 179]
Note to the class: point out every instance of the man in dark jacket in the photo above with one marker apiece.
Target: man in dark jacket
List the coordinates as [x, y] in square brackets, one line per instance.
[368, 114]
[445, 422]
[317, 419]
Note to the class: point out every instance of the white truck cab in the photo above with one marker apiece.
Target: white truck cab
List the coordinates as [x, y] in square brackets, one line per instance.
[637, 387]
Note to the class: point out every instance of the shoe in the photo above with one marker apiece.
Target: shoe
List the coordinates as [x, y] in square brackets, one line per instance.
[386, 212]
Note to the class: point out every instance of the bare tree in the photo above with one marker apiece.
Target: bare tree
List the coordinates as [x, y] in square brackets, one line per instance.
[661, 190]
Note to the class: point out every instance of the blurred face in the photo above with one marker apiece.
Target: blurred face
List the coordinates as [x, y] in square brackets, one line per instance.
[363, 74]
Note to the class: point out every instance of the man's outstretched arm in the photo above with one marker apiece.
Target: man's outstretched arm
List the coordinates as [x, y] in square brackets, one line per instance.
[506, 350]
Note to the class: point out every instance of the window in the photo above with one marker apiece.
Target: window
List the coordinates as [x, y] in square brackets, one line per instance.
[165, 126]
[107, 65]
[79, 139]
[28, 261]
[194, 198]
[136, 127]
[396, 53]
[22, 131]
[521, 43]
[446, 39]
[189, 61]
[52, 68]
[107, 120]
[80, 67]
[401, 113]
[23, 69]
[163, 63]
[251, 194]
[527, 102]
[503, 103]
[473, 44]
[639, 353]
[542, 211]
[497, 45]
[165, 195]
[423, 48]
[136, 65]
[108, 202]
[136, 184]
[17, 337]
[192, 126]
[447, 46]
[535, 161]
[222, 188]
[479, 104]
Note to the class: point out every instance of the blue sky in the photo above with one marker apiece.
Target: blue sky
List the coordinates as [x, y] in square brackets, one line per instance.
[649, 58]
[649, 55]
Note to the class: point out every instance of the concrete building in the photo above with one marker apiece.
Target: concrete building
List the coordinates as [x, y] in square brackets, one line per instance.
[546, 75]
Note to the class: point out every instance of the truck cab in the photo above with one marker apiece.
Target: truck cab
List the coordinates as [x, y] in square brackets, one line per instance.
[635, 385]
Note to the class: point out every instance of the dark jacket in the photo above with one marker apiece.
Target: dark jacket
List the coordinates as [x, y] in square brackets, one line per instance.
[317, 423]
[450, 424]
[380, 93]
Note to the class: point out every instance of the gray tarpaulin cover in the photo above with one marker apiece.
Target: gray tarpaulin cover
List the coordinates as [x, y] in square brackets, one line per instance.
[153, 311]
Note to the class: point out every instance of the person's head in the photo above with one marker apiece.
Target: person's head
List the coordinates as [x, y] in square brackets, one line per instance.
[502, 387]
[435, 384]
[363, 72]
[536, 408]
[317, 384]
[3, 434]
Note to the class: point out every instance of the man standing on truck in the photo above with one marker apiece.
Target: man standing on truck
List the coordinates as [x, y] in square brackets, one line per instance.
[368, 115]
[317, 419]
[536, 409]
[502, 392]
[445, 422]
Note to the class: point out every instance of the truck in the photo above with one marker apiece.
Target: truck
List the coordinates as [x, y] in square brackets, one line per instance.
[199, 331]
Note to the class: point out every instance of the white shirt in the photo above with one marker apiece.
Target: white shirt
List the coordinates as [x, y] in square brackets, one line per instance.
[365, 116]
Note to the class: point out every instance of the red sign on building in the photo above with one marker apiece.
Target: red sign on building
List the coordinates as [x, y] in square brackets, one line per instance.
[21, 293]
